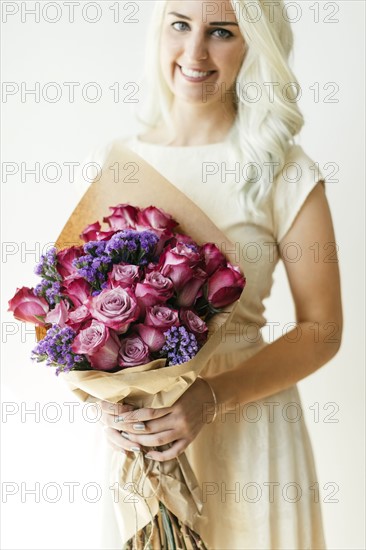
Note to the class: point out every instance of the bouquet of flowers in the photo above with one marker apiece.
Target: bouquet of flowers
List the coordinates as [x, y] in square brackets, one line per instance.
[133, 294]
[135, 311]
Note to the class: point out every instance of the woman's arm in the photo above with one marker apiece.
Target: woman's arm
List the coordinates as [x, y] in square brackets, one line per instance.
[315, 287]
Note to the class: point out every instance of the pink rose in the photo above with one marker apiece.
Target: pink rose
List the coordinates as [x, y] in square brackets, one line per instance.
[133, 352]
[117, 308]
[124, 275]
[77, 289]
[58, 315]
[26, 306]
[153, 337]
[213, 258]
[65, 258]
[99, 344]
[194, 323]
[78, 317]
[155, 289]
[155, 218]
[225, 286]
[123, 216]
[161, 317]
[90, 233]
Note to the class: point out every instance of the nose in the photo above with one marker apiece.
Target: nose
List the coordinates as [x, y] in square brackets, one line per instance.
[196, 47]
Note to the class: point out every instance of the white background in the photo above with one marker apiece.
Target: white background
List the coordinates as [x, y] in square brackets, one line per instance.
[38, 450]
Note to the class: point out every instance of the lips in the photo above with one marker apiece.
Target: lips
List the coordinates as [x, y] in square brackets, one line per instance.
[195, 75]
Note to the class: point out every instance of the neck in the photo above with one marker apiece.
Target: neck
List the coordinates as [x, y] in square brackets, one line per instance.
[201, 124]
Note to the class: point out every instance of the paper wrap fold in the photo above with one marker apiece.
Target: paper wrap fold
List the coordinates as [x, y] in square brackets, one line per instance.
[148, 385]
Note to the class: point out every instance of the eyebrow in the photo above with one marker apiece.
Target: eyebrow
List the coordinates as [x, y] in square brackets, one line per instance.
[220, 23]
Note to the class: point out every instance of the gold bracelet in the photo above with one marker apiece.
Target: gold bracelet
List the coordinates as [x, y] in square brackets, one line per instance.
[214, 398]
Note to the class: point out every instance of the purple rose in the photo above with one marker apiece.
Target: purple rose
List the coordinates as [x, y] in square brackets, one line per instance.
[152, 336]
[124, 275]
[26, 306]
[77, 289]
[155, 218]
[78, 317]
[123, 216]
[117, 308]
[99, 344]
[133, 352]
[213, 258]
[194, 323]
[161, 317]
[225, 286]
[155, 289]
[59, 315]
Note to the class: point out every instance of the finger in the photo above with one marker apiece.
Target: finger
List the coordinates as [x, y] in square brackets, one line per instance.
[175, 450]
[144, 415]
[152, 440]
[121, 443]
[115, 408]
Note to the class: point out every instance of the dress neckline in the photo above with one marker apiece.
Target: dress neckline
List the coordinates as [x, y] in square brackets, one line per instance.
[186, 147]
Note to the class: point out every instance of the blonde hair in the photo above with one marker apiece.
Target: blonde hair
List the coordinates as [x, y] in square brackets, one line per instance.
[264, 128]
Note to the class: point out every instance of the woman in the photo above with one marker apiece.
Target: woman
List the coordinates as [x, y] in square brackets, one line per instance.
[222, 96]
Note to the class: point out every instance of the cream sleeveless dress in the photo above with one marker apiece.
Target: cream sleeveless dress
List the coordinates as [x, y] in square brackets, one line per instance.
[254, 463]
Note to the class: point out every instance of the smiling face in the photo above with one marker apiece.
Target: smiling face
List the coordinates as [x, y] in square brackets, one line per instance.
[202, 50]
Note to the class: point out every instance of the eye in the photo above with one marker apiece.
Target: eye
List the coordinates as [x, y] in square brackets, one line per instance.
[179, 23]
[225, 33]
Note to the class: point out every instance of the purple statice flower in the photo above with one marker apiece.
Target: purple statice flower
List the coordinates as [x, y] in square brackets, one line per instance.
[47, 266]
[50, 290]
[55, 349]
[180, 345]
[132, 247]
[94, 265]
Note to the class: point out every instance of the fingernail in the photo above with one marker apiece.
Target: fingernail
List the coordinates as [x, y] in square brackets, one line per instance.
[125, 435]
[148, 456]
[119, 419]
[139, 426]
[135, 449]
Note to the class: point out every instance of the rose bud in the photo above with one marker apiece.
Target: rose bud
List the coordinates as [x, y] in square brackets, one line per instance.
[213, 258]
[161, 317]
[124, 275]
[99, 344]
[225, 286]
[78, 317]
[123, 216]
[90, 233]
[194, 323]
[116, 308]
[26, 306]
[65, 258]
[133, 352]
[59, 315]
[153, 337]
[155, 218]
[155, 289]
[77, 289]
[190, 291]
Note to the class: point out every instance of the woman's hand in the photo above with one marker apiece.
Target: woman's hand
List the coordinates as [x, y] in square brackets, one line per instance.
[131, 430]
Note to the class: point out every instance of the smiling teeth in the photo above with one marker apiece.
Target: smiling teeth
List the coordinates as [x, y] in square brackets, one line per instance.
[194, 74]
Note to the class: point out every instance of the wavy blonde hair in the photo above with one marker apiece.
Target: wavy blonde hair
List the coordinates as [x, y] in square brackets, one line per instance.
[263, 129]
